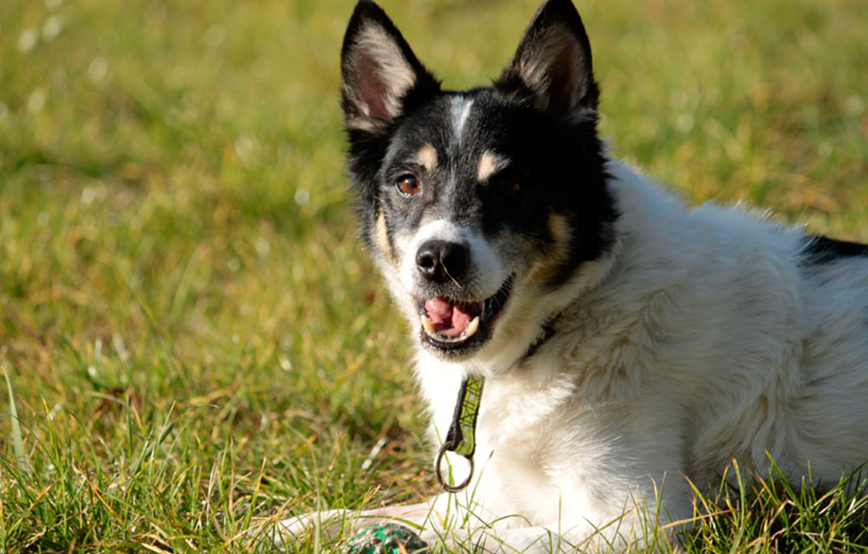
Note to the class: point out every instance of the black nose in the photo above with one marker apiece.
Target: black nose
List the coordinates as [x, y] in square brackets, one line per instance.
[439, 260]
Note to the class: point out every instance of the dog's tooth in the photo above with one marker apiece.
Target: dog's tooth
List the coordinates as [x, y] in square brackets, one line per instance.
[427, 324]
[472, 327]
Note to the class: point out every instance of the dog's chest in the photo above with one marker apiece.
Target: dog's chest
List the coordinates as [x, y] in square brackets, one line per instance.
[517, 412]
[539, 446]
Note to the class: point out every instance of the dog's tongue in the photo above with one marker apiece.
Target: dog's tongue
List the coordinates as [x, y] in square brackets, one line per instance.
[448, 318]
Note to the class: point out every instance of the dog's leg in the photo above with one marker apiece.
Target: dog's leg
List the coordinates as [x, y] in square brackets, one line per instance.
[534, 540]
[444, 533]
[527, 540]
[332, 523]
[636, 525]
[437, 530]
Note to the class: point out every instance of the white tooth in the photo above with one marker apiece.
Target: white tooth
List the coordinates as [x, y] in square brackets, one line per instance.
[472, 327]
[427, 324]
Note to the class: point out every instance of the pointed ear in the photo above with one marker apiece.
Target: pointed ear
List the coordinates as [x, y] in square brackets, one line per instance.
[380, 72]
[553, 61]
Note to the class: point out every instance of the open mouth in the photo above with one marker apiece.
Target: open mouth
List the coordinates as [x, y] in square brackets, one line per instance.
[453, 325]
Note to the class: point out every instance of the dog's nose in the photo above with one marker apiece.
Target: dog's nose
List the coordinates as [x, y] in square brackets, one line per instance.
[439, 260]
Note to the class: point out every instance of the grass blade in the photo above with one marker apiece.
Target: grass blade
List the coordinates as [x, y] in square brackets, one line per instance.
[17, 440]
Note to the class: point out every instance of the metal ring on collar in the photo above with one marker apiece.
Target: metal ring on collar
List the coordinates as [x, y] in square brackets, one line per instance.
[442, 482]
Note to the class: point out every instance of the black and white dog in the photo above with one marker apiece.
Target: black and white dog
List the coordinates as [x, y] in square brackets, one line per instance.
[628, 344]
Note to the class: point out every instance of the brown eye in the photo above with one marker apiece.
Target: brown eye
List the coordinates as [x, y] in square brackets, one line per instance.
[508, 188]
[409, 185]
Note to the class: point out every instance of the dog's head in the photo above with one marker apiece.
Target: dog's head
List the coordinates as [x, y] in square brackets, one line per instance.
[481, 207]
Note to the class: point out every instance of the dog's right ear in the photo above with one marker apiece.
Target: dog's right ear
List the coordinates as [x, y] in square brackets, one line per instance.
[381, 76]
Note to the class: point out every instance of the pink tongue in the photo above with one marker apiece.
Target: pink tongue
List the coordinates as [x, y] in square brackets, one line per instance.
[448, 318]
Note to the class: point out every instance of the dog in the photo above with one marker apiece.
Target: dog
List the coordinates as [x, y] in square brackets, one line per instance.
[630, 347]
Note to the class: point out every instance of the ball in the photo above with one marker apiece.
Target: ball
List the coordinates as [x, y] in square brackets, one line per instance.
[385, 538]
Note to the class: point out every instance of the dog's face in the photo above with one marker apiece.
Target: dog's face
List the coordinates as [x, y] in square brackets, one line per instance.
[478, 205]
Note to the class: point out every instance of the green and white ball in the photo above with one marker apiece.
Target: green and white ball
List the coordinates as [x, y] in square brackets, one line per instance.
[385, 538]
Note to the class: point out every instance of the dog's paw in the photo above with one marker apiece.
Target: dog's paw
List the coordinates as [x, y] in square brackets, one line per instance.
[281, 535]
[288, 534]
[294, 527]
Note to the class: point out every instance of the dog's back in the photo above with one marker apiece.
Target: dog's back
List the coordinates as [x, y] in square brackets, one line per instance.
[760, 332]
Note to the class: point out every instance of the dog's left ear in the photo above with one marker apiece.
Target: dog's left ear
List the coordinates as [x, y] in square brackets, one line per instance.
[553, 61]
[381, 75]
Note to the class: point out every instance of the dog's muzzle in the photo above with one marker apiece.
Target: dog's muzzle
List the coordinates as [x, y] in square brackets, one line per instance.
[453, 321]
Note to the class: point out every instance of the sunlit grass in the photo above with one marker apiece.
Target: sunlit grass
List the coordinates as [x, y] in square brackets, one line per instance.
[193, 335]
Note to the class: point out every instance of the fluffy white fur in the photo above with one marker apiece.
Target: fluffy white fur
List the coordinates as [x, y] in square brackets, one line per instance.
[702, 338]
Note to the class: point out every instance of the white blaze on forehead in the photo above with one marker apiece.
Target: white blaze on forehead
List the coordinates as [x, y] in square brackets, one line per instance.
[460, 112]
[427, 157]
[489, 164]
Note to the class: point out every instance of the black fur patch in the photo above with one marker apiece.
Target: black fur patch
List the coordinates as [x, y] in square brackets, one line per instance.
[820, 250]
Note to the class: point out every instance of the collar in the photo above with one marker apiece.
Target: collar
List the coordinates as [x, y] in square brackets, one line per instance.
[461, 437]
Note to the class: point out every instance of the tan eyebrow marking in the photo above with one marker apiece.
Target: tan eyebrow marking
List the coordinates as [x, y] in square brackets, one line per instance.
[427, 157]
[489, 164]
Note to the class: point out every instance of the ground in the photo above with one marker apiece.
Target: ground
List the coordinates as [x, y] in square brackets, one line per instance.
[194, 338]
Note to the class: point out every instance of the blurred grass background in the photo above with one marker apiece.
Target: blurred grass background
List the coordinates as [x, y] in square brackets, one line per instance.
[194, 336]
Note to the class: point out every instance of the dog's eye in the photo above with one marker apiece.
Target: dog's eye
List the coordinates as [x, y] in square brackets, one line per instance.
[508, 188]
[408, 185]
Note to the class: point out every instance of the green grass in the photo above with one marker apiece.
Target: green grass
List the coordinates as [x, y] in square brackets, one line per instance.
[194, 337]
